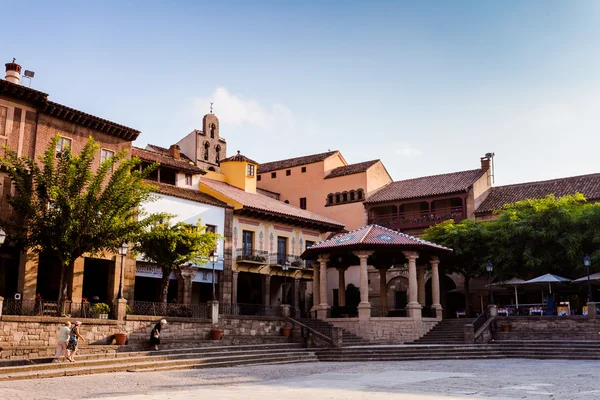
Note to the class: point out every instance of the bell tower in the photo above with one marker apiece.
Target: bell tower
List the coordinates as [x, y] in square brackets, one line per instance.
[211, 147]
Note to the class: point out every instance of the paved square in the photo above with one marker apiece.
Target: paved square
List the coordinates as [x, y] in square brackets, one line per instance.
[415, 380]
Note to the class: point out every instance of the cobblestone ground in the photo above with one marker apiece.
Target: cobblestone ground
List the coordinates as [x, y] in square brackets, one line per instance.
[415, 380]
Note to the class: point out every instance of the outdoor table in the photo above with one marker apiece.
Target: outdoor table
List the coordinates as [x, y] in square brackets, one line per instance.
[535, 310]
[461, 314]
[503, 311]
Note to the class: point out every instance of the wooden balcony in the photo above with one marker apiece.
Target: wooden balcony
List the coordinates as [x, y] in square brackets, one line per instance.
[416, 219]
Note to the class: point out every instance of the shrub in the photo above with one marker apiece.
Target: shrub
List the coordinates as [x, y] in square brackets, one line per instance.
[101, 308]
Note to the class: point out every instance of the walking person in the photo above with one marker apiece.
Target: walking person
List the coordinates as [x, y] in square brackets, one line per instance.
[73, 341]
[61, 345]
[155, 334]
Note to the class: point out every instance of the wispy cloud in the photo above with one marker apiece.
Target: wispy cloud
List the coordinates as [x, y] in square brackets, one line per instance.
[405, 150]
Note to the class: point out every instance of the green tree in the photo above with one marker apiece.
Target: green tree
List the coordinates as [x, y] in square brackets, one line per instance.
[471, 243]
[63, 205]
[171, 245]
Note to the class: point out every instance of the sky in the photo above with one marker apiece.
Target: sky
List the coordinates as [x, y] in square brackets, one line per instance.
[428, 87]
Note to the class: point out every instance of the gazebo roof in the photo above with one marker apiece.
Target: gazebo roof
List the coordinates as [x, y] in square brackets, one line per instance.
[372, 237]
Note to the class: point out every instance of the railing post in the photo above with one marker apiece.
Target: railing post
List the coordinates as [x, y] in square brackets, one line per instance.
[336, 336]
[119, 309]
[493, 310]
[1, 304]
[592, 313]
[469, 332]
[213, 307]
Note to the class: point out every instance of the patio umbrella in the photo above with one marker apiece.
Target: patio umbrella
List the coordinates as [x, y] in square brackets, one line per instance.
[549, 279]
[514, 282]
[593, 277]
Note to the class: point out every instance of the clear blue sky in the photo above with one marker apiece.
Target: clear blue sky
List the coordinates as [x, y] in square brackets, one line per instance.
[426, 86]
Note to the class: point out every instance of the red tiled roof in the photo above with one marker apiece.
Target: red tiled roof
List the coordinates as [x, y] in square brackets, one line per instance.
[165, 151]
[370, 237]
[166, 160]
[294, 162]
[427, 186]
[187, 194]
[588, 185]
[259, 202]
[351, 169]
[239, 157]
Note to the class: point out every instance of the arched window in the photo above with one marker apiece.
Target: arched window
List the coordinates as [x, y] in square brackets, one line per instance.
[360, 194]
[330, 198]
[287, 202]
[218, 155]
[206, 147]
[337, 198]
[352, 195]
[345, 197]
[211, 169]
[212, 131]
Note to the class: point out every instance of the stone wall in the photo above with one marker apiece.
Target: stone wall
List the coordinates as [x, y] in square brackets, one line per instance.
[548, 328]
[386, 330]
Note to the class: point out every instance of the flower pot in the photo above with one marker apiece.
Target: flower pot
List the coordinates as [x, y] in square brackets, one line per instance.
[216, 334]
[286, 331]
[120, 338]
[505, 327]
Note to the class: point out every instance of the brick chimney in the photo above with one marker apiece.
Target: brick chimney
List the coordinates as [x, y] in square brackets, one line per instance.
[13, 72]
[485, 163]
[175, 152]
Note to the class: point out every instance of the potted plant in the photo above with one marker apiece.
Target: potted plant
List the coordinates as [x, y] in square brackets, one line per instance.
[121, 338]
[286, 331]
[505, 326]
[101, 310]
[216, 334]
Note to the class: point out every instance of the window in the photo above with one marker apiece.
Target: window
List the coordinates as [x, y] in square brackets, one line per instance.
[258, 178]
[3, 117]
[211, 228]
[212, 131]
[303, 203]
[250, 169]
[206, 147]
[352, 195]
[360, 194]
[247, 243]
[288, 172]
[303, 169]
[337, 197]
[309, 243]
[287, 202]
[218, 154]
[345, 196]
[63, 144]
[105, 155]
[281, 250]
[188, 180]
[273, 175]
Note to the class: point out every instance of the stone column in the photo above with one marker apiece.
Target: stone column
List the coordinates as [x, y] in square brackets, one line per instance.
[364, 307]
[28, 270]
[383, 289]
[234, 286]
[316, 279]
[185, 276]
[341, 286]
[323, 305]
[120, 309]
[413, 307]
[296, 297]
[421, 285]
[267, 290]
[435, 287]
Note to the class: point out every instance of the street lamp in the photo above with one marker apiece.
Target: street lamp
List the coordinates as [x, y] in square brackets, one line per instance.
[123, 252]
[2, 236]
[587, 261]
[285, 266]
[213, 258]
[490, 267]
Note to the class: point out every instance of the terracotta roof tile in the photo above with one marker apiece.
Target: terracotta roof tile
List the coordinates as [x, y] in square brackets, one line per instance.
[188, 194]
[260, 202]
[239, 157]
[351, 169]
[167, 160]
[427, 186]
[165, 151]
[294, 162]
[372, 236]
[588, 185]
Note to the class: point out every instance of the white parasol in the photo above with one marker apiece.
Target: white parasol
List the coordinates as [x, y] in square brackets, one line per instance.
[514, 282]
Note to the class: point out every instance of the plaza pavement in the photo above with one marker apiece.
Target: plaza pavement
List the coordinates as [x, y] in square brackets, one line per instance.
[414, 380]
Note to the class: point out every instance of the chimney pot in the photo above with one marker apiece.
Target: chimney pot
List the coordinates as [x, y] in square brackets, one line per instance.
[175, 152]
[13, 72]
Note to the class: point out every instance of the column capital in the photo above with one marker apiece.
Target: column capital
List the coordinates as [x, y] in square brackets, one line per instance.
[267, 278]
[363, 253]
[235, 272]
[187, 272]
[411, 255]
[434, 260]
[323, 258]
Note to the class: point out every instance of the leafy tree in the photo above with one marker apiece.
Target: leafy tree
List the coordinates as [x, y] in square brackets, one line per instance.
[171, 245]
[470, 241]
[64, 206]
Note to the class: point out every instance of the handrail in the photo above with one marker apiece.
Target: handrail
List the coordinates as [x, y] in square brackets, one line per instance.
[312, 330]
[481, 320]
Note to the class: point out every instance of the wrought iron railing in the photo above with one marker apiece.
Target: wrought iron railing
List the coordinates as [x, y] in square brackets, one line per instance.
[281, 259]
[256, 256]
[481, 320]
[32, 308]
[169, 309]
[249, 310]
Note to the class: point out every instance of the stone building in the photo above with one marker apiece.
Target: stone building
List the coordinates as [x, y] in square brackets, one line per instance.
[28, 122]
[206, 148]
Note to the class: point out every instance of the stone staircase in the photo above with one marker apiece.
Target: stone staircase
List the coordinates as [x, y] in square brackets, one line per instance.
[513, 349]
[162, 360]
[325, 328]
[447, 331]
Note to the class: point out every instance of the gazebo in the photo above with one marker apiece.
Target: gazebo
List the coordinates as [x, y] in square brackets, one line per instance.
[382, 248]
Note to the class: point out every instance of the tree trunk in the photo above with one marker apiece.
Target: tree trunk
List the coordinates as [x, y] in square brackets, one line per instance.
[166, 274]
[65, 272]
[467, 296]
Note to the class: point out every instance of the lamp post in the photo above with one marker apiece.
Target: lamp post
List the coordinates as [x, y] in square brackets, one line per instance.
[285, 266]
[490, 267]
[2, 236]
[213, 258]
[587, 261]
[123, 252]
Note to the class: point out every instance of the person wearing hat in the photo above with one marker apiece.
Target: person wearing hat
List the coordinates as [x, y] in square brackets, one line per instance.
[155, 334]
[73, 341]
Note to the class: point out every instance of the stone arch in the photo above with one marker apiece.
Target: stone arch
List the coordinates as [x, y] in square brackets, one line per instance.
[206, 150]
[397, 292]
[218, 154]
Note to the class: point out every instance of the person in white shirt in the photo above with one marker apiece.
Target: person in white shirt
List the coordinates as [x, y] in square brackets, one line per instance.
[63, 339]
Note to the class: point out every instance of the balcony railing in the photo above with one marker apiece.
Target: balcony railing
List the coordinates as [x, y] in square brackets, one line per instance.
[281, 259]
[418, 219]
[252, 256]
[199, 311]
[249, 309]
